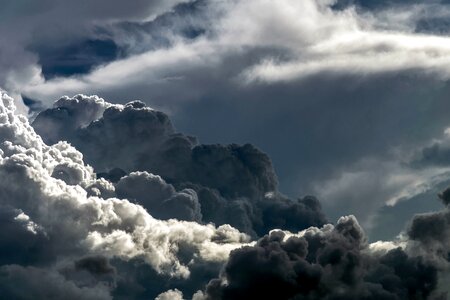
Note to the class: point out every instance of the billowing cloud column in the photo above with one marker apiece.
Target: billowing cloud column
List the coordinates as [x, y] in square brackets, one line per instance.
[51, 221]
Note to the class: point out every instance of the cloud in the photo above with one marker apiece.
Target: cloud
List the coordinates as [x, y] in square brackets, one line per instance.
[52, 219]
[229, 184]
[345, 86]
[389, 220]
[17, 282]
[386, 183]
[432, 229]
[347, 95]
[334, 262]
[420, 174]
[435, 154]
[28, 29]
[160, 198]
[301, 39]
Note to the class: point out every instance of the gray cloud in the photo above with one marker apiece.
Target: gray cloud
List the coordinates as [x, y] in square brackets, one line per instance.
[222, 184]
[17, 282]
[436, 154]
[334, 262]
[65, 236]
[160, 198]
[170, 294]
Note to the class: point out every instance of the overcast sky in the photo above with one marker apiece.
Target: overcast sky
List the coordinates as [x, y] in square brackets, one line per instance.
[342, 95]
[344, 100]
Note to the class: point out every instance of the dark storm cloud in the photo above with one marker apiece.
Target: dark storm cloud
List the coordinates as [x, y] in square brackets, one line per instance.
[433, 228]
[17, 282]
[437, 154]
[139, 281]
[336, 262]
[159, 197]
[328, 263]
[97, 265]
[445, 196]
[430, 227]
[222, 184]
[19, 245]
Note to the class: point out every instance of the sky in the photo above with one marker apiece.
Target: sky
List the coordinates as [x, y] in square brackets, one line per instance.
[325, 119]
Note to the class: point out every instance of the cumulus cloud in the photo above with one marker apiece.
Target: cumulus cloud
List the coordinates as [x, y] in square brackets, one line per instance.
[337, 262]
[230, 184]
[334, 262]
[171, 294]
[52, 219]
[160, 198]
[432, 229]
